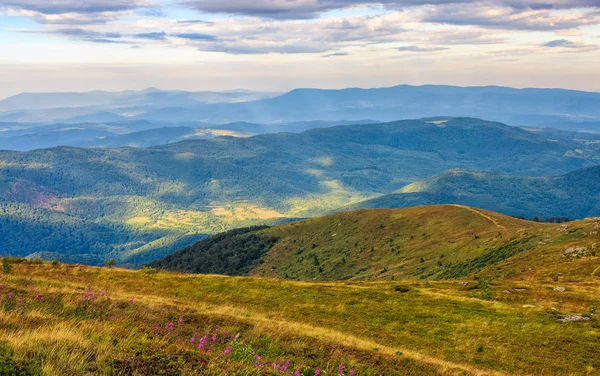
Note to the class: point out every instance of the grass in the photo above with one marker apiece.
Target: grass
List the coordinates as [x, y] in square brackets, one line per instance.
[393, 328]
[433, 242]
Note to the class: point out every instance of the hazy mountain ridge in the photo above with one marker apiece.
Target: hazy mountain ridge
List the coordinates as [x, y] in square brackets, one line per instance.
[140, 133]
[558, 108]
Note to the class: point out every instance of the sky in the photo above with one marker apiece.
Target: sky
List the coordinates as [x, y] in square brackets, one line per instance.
[278, 45]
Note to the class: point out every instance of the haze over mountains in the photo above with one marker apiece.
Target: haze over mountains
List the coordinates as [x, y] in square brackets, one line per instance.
[84, 119]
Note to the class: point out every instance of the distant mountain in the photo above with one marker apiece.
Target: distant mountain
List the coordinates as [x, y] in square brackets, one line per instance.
[110, 106]
[513, 106]
[39, 140]
[97, 117]
[152, 97]
[556, 108]
[140, 133]
[208, 186]
[574, 195]
[427, 242]
[159, 136]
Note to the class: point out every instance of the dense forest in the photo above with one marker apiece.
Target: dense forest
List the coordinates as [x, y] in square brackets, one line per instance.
[234, 253]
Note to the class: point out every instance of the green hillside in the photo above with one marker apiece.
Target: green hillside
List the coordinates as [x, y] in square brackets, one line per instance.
[210, 186]
[574, 195]
[433, 242]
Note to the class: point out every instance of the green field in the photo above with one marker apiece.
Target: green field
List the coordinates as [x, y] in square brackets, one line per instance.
[392, 328]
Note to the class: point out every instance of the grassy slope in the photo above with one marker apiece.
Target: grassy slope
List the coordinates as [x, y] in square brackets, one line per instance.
[419, 242]
[433, 328]
[431, 242]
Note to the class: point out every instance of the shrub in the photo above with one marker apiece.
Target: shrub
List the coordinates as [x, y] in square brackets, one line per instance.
[6, 268]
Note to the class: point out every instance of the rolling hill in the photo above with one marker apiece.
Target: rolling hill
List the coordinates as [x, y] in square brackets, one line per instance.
[431, 242]
[208, 186]
[575, 195]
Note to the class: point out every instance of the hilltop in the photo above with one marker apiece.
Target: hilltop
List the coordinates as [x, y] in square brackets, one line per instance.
[433, 242]
[575, 195]
[209, 186]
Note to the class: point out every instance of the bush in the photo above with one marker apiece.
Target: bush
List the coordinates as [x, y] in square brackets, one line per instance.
[6, 268]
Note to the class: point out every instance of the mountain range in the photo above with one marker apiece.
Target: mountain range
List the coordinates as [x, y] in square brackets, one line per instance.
[149, 197]
[556, 108]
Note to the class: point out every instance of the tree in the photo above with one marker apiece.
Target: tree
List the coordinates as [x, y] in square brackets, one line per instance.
[6, 268]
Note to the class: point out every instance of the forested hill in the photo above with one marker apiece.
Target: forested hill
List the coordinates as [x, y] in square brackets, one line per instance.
[207, 186]
[575, 195]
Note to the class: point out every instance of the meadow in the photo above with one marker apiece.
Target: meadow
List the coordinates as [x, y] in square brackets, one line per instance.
[74, 320]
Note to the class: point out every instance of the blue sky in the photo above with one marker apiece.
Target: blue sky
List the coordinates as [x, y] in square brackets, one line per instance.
[74, 45]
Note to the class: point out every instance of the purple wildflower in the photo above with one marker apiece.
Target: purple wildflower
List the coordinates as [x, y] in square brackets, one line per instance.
[296, 373]
[180, 320]
[285, 365]
[317, 372]
[227, 350]
[131, 300]
[351, 373]
[341, 369]
[214, 338]
[20, 301]
[192, 340]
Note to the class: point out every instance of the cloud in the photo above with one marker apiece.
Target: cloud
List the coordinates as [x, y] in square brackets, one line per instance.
[470, 36]
[196, 36]
[336, 54]
[509, 18]
[85, 35]
[75, 6]
[414, 48]
[76, 12]
[560, 43]
[151, 36]
[306, 9]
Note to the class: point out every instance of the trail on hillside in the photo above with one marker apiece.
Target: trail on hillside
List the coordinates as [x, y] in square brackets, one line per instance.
[494, 221]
